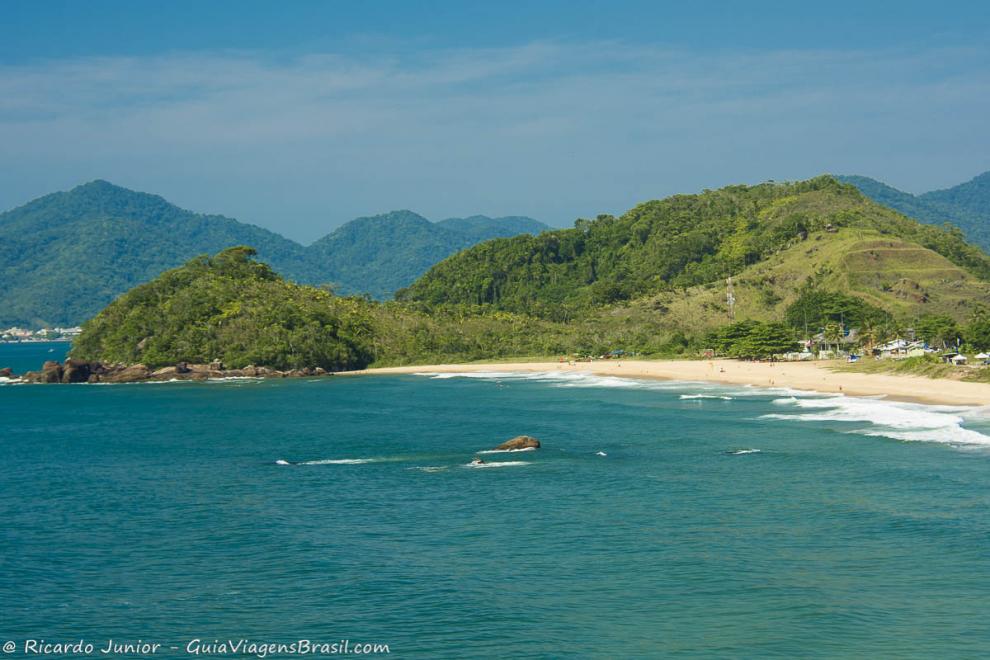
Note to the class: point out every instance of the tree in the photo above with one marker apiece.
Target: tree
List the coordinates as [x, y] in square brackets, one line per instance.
[765, 340]
[937, 330]
[753, 339]
[832, 335]
[978, 331]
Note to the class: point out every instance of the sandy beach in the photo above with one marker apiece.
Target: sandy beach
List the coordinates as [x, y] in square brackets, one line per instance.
[798, 375]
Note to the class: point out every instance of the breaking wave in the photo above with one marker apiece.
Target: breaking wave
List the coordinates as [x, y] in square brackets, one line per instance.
[505, 451]
[496, 465]
[706, 396]
[910, 422]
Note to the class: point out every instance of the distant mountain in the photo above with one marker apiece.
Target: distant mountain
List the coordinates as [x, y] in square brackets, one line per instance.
[64, 256]
[967, 205]
[383, 253]
[477, 228]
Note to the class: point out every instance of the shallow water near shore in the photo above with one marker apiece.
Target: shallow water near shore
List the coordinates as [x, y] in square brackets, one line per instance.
[719, 521]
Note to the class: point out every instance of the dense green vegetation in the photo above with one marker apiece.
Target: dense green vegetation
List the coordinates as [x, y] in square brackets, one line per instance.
[380, 254]
[966, 206]
[233, 309]
[752, 339]
[816, 307]
[66, 255]
[667, 245]
[807, 257]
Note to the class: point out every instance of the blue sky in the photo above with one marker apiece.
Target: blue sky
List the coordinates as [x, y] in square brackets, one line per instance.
[300, 116]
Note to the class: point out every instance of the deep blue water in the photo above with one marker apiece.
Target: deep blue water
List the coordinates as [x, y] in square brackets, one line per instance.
[29, 356]
[158, 511]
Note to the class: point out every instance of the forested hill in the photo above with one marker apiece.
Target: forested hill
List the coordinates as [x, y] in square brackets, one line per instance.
[380, 254]
[68, 254]
[966, 206]
[690, 240]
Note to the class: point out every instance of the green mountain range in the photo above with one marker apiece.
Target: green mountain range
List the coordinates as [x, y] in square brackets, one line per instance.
[68, 254]
[654, 281]
[676, 253]
[380, 254]
[966, 206]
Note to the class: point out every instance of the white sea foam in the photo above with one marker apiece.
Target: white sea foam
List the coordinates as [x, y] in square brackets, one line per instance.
[496, 465]
[10, 381]
[505, 451]
[576, 379]
[341, 461]
[706, 396]
[892, 419]
[875, 416]
[282, 461]
[600, 453]
[429, 468]
[740, 452]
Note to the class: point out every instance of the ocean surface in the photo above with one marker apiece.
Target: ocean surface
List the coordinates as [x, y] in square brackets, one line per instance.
[658, 520]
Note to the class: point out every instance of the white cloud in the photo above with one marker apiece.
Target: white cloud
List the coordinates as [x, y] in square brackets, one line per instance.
[554, 130]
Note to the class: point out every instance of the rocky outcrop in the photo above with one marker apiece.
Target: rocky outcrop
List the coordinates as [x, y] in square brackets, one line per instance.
[6, 372]
[132, 374]
[519, 442]
[82, 371]
[51, 372]
[75, 371]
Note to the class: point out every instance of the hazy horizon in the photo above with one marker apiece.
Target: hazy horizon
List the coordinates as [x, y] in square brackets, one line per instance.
[301, 123]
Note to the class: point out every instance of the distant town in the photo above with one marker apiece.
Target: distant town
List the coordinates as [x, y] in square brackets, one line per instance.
[14, 335]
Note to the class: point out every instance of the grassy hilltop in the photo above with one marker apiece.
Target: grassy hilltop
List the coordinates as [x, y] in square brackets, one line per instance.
[652, 281]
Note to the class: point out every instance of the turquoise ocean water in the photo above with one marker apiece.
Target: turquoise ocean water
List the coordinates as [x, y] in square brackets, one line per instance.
[730, 522]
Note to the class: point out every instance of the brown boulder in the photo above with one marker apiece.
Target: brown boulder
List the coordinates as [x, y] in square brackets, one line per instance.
[131, 374]
[6, 372]
[75, 371]
[34, 377]
[519, 442]
[52, 371]
[165, 373]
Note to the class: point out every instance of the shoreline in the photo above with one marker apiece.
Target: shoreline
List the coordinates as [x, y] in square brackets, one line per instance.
[807, 376]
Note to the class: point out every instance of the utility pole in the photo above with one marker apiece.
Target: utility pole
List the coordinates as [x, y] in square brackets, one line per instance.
[730, 298]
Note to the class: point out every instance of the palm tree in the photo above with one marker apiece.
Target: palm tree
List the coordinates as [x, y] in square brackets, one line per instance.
[868, 335]
[832, 334]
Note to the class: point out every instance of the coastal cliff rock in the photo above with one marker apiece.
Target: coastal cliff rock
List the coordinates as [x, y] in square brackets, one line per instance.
[51, 372]
[131, 374]
[75, 371]
[6, 372]
[519, 442]
[82, 371]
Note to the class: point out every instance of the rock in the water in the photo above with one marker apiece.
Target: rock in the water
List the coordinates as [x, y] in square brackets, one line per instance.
[6, 372]
[519, 442]
[131, 374]
[165, 373]
[75, 371]
[51, 372]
